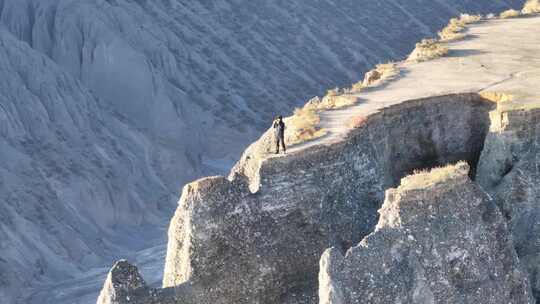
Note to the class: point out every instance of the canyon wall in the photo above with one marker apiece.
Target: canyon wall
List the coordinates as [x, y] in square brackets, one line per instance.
[438, 237]
[460, 233]
[236, 246]
[509, 172]
[108, 107]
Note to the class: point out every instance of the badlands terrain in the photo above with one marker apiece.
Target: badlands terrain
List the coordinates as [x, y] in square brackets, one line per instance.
[425, 190]
[108, 107]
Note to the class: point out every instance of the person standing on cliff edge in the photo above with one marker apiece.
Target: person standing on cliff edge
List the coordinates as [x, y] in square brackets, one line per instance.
[279, 133]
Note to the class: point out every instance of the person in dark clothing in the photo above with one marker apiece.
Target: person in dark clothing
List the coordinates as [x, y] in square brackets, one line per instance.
[279, 133]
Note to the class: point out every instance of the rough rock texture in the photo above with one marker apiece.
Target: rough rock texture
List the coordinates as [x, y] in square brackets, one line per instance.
[219, 210]
[125, 285]
[440, 239]
[509, 171]
[122, 279]
[238, 245]
[108, 106]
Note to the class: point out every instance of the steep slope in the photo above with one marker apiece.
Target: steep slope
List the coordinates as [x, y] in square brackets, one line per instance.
[108, 106]
[225, 67]
[70, 173]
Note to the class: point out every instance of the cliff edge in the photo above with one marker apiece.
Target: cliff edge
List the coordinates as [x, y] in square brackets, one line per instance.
[456, 234]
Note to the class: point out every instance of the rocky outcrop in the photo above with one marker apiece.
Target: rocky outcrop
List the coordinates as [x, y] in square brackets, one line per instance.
[439, 239]
[71, 174]
[258, 235]
[125, 285]
[123, 279]
[237, 245]
[108, 106]
[508, 170]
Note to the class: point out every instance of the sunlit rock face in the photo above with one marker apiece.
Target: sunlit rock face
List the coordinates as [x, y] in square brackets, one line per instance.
[108, 107]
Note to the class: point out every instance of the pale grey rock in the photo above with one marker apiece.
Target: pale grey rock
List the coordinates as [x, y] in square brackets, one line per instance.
[71, 173]
[509, 171]
[125, 285]
[439, 239]
[241, 246]
[107, 107]
[371, 77]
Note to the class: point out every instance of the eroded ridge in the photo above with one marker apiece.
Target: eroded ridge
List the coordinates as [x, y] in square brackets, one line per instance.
[264, 247]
